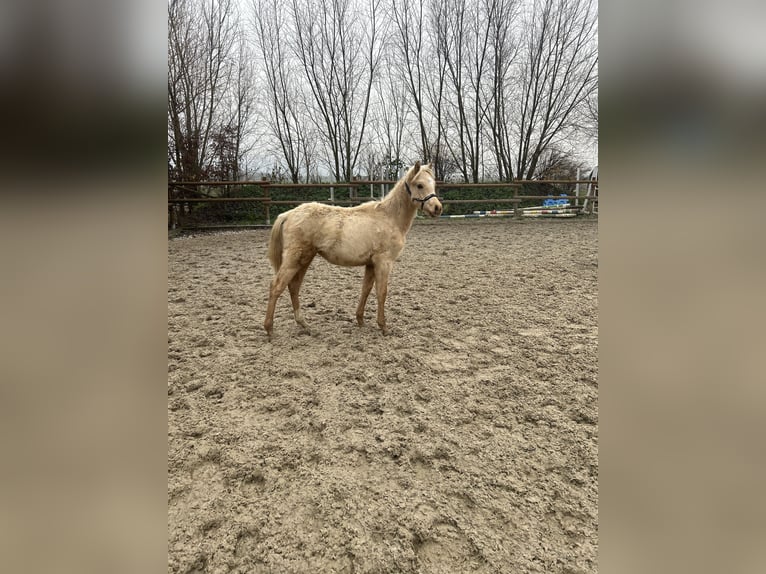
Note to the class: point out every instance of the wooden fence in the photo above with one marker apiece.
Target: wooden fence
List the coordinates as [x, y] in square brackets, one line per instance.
[184, 195]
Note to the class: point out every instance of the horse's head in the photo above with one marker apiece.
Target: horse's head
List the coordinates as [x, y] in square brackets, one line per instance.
[421, 185]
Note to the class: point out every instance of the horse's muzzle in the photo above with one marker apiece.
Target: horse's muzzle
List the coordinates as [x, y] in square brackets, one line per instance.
[433, 207]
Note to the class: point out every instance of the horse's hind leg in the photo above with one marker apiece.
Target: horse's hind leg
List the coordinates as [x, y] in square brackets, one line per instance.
[283, 277]
[295, 287]
[369, 279]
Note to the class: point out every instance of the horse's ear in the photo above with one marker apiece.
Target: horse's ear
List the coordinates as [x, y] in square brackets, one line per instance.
[414, 171]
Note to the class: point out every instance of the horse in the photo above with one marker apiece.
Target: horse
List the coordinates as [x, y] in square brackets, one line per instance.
[371, 235]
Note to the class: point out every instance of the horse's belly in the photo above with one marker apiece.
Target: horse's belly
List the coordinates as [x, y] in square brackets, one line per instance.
[344, 259]
[358, 243]
[348, 254]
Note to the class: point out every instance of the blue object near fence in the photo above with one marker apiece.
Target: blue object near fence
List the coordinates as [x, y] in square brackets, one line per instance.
[550, 202]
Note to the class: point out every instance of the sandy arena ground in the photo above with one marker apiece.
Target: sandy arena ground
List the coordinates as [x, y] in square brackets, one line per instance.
[464, 441]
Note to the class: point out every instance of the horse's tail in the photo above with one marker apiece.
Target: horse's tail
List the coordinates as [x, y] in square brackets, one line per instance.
[275, 242]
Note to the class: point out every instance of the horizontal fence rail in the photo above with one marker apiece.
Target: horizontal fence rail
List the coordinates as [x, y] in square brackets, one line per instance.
[184, 195]
[391, 182]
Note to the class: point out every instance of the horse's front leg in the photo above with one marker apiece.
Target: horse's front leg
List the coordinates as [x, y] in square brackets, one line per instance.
[367, 282]
[382, 272]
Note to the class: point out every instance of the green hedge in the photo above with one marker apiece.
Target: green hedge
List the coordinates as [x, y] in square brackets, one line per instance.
[498, 193]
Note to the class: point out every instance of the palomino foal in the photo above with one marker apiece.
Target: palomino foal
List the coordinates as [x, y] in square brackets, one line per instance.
[371, 234]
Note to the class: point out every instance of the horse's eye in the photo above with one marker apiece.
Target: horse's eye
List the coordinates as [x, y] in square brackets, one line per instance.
[420, 186]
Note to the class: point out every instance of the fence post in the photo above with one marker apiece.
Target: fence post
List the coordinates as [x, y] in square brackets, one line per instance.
[174, 220]
[577, 189]
[516, 204]
[267, 194]
[171, 209]
[382, 188]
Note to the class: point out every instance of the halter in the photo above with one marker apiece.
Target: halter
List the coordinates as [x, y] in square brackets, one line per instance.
[423, 200]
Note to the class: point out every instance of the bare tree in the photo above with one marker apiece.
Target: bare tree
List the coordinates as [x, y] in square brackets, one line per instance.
[436, 81]
[184, 69]
[465, 48]
[393, 111]
[286, 115]
[586, 121]
[236, 115]
[555, 163]
[202, 52]
[338, 51]
[408, 52]
[557, 76]
[503, 53]
[476, 87]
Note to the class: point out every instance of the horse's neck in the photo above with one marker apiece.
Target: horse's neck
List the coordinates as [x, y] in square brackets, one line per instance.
[401, 207]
